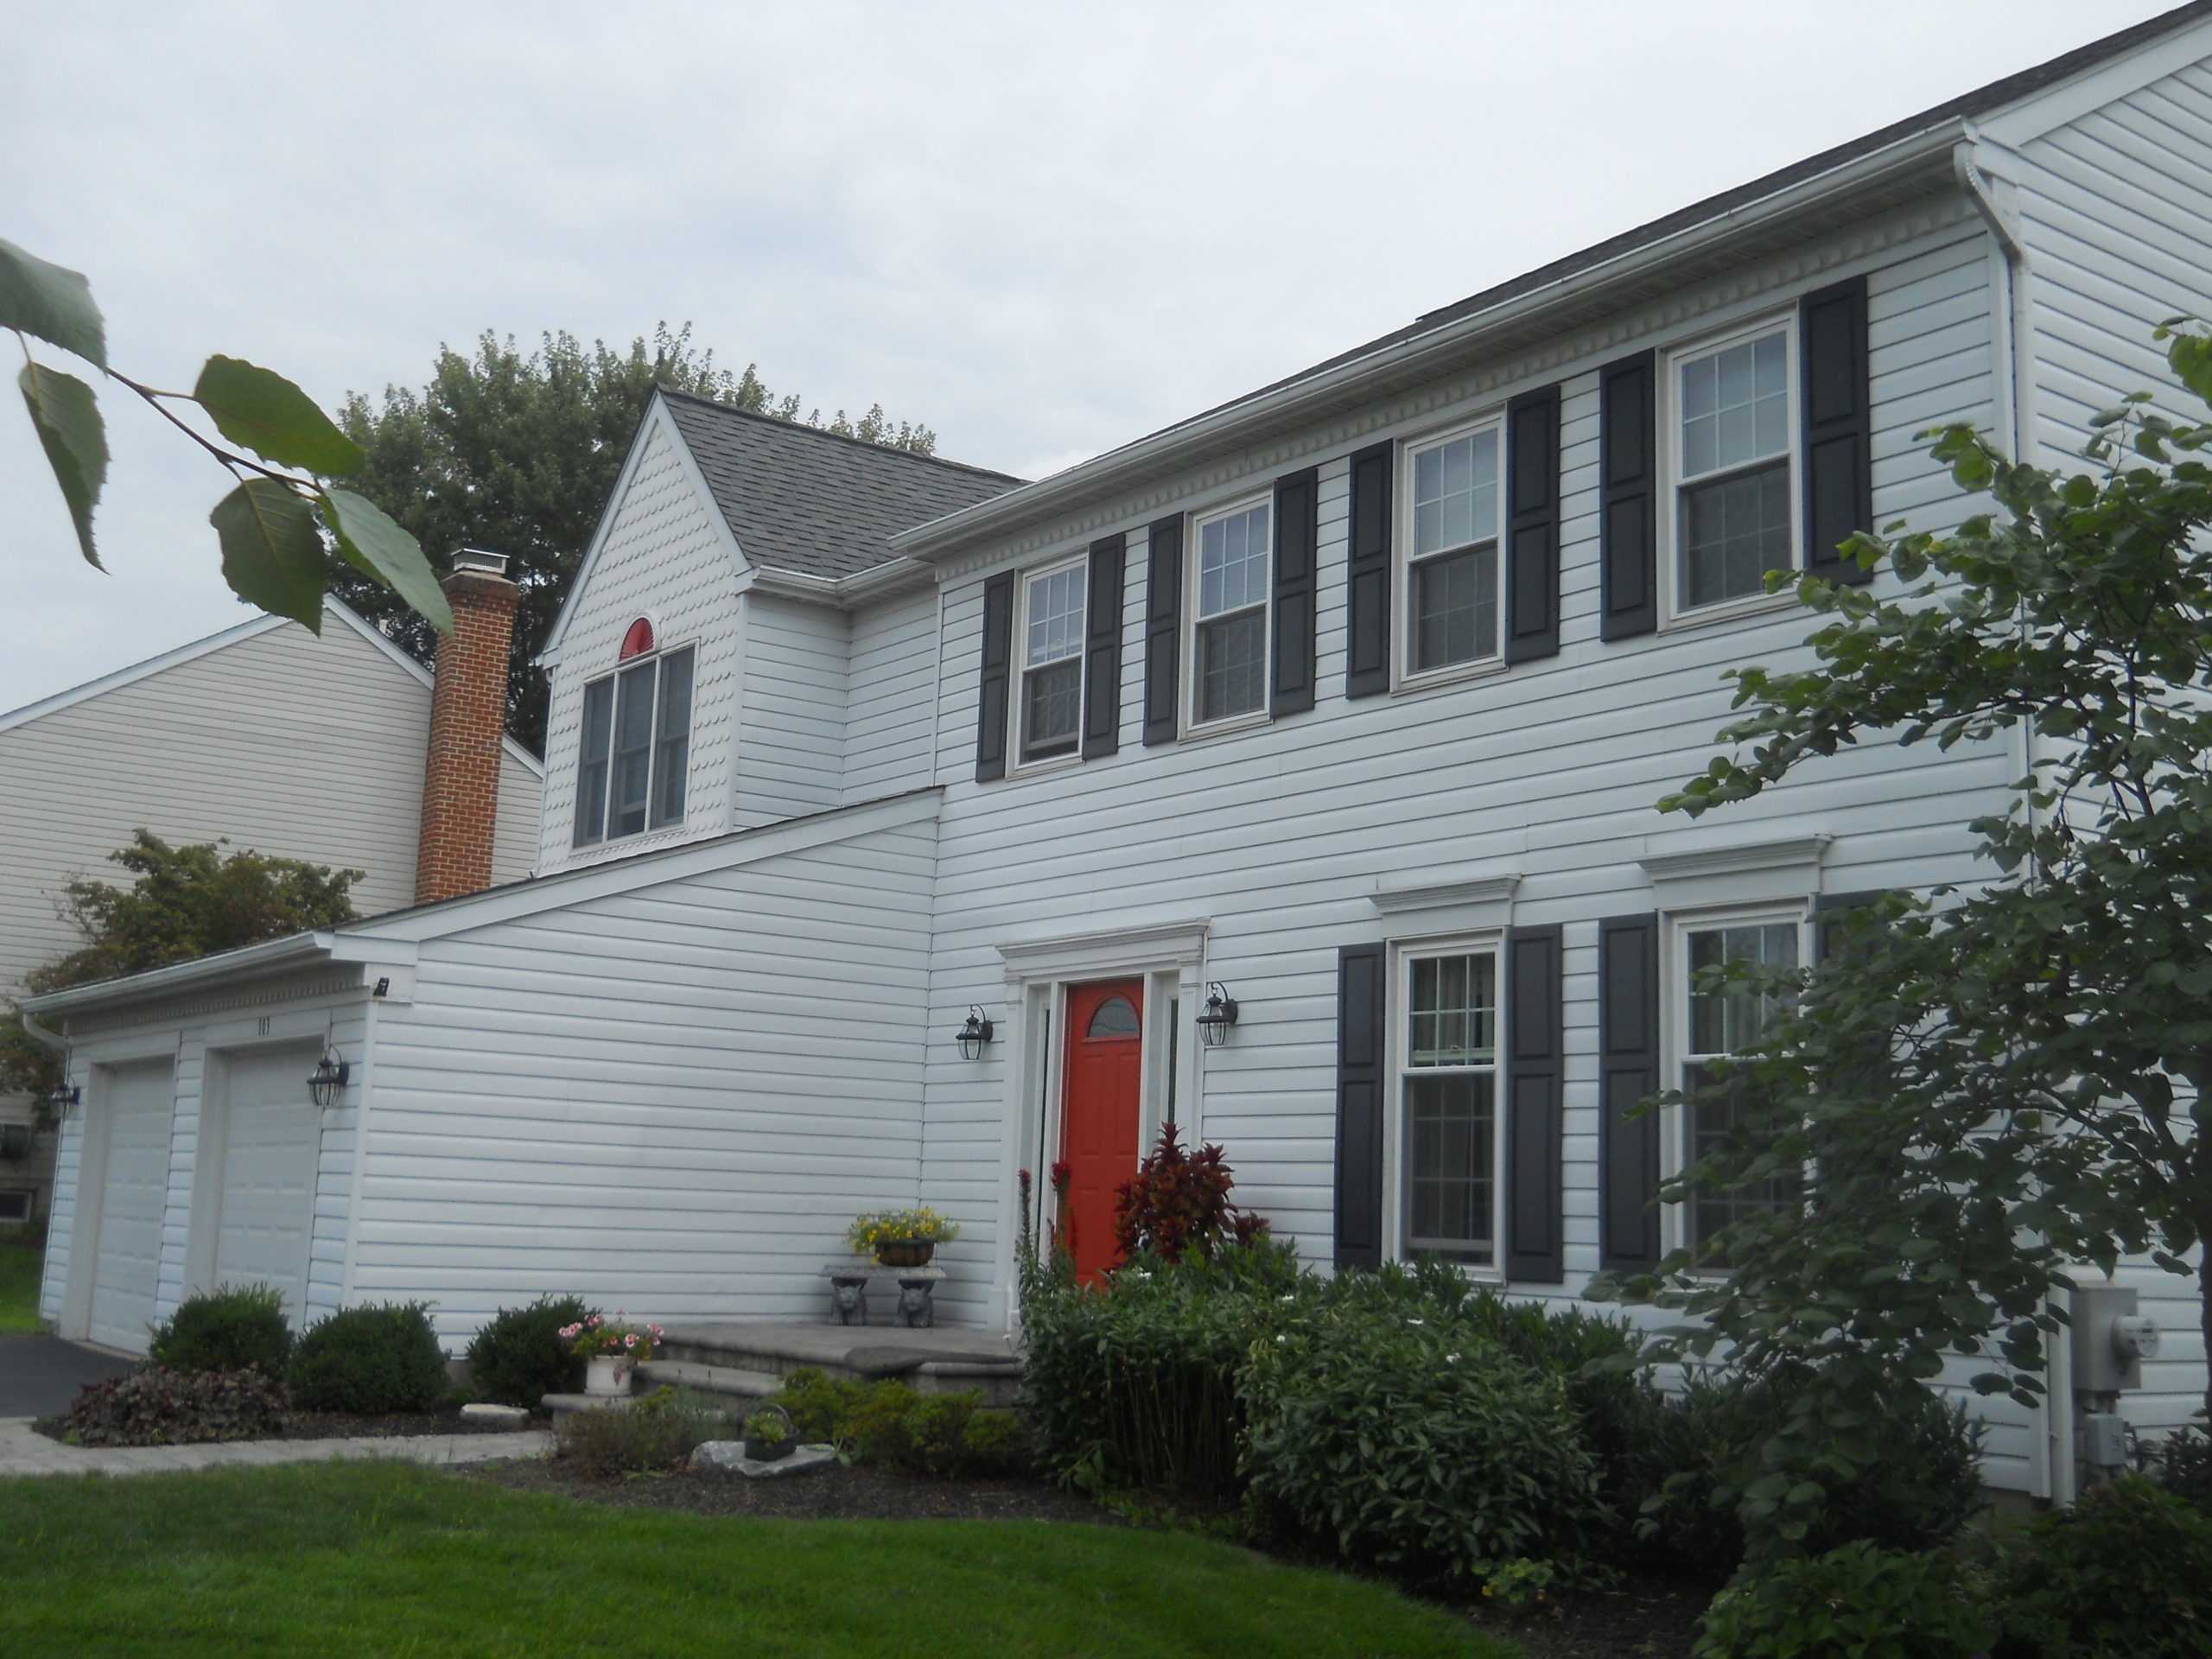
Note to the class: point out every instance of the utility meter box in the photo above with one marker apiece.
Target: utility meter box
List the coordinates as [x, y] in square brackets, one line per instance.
[2111, 1341]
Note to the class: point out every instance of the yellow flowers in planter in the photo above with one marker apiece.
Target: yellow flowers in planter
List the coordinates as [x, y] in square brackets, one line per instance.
[870, 1233]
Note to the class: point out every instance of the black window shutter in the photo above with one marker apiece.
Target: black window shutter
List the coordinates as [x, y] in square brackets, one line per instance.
[1535, 1061]
[1367, 573]
[1532, 526]
[1628, 523]
[1829, 910]
[1163, 628]
[1298, 506]
[1838, 441]
[998, 673]
[1360, 1061]
[1628, 1072]
[1101, 649]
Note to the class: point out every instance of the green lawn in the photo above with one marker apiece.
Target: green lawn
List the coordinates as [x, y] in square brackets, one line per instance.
[19, 1266]
[390, 1560]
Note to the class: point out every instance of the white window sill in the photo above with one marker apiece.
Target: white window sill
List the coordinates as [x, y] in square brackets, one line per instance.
[1482, 668]
[1229, 727]
[1735, 610]
[1049, 763]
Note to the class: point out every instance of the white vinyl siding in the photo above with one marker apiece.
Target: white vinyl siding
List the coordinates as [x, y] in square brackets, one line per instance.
[790, 749]
[893, 671]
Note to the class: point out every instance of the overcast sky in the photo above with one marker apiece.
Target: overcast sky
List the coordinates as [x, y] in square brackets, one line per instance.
[1042, 230]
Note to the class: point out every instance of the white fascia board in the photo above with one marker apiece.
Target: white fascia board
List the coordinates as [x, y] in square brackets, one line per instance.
[1309, 395]
[643, 869]
[123, 677]
[370, 632]
[2030, 118]
[294, 948]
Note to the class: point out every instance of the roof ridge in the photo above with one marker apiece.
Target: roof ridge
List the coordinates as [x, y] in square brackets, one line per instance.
[867, 444]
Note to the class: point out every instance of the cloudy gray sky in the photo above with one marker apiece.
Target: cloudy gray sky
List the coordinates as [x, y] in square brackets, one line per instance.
[1042, 229]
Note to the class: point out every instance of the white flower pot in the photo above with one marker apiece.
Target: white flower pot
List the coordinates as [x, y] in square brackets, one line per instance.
[606, 1374]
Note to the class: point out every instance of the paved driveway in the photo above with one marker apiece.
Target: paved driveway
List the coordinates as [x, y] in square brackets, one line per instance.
[41, 1375]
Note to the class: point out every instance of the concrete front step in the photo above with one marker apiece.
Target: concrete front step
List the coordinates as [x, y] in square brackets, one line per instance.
[938, 1361]
[727, 1380]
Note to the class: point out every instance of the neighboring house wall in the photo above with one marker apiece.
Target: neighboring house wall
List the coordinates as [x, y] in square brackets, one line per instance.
[791, 751]
[667, 555]
[675, 1098]
[279, 741]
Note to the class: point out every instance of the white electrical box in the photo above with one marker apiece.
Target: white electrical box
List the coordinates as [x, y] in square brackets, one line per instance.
[2111, 1341]
[2104, 1439]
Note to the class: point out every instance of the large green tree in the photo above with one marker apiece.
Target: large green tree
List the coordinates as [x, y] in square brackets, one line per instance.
[517, 452]
[1979, 1087]
[181, 902]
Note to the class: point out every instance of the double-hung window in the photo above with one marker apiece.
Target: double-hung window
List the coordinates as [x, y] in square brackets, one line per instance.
[1453, 586]
[1733, 414]
[1450, 1128]
[635, 748]
[1230, 590]
[1051, 629]
[1714, 1024]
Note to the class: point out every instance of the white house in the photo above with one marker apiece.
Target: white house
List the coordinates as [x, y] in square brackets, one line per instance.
[1347, 701]
[264, 735]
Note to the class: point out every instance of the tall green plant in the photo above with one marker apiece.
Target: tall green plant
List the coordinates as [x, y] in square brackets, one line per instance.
[1989, 1082]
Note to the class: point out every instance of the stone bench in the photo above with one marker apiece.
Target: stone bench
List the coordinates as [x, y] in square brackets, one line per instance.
[851, 1281]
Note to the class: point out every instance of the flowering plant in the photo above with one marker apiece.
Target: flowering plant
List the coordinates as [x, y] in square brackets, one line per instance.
[592, 1338]
[871, 1232]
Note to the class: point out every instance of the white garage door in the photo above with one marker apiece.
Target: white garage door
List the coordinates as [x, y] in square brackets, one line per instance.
[272, 1131]
[127, 1256]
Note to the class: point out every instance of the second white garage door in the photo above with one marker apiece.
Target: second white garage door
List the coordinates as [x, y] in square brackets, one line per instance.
[273, 1133]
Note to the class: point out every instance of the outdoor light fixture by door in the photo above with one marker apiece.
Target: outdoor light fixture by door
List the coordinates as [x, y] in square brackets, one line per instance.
[64, 1097]
[975, 1033]
[1220, 1014]
[330, 1076]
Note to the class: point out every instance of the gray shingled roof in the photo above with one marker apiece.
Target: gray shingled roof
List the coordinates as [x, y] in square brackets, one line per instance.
[803, 499]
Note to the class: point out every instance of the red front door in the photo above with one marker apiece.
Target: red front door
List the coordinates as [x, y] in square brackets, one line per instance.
[1098, 1137]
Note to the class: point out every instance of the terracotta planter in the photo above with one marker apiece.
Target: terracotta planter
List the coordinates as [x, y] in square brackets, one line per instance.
[906, 1253]
[606, 1374]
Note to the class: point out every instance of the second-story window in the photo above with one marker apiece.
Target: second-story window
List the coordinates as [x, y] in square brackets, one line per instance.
[1050, 632]
[634, 749]
[1232, 585]
[1736, 501]
[1453, 584]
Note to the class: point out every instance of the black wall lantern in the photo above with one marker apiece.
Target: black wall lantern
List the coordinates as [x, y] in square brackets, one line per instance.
[1220, 1014]
[975, 1033]
[331, 1074]
[62, 1097]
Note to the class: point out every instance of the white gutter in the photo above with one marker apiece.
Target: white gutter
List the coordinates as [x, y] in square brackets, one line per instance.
[843, 592]
[1223, 426]
[270, 953]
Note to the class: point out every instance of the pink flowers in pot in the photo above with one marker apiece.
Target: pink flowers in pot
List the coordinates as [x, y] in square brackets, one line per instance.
[594, 1337]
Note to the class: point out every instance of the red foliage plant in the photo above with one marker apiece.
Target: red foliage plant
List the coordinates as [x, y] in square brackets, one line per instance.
[1178, 1203]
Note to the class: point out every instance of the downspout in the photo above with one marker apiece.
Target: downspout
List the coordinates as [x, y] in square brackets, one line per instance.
[2051, 1449]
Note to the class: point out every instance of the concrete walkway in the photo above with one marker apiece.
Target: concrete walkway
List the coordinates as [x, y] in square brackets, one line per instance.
[24, 1451]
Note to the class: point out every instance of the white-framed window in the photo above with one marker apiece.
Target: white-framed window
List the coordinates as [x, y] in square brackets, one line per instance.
[1231, 608]
[1449, 1013]
[1050, 631]
[1730, 420]
[1705, 1026]
[1450, 538]
[635, 748]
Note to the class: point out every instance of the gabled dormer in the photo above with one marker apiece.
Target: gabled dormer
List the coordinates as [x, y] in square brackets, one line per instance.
[737, 606]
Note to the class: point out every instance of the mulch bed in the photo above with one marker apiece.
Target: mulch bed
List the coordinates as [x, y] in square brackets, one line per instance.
[1642, 1618]
[341, 1425]
[853, 1493]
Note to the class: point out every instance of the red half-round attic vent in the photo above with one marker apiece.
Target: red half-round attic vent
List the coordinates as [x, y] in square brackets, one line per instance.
[638, 641]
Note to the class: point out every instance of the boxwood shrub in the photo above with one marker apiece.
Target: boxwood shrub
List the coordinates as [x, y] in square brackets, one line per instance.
[232, 1328]
[519, 1356]
[383, 1358]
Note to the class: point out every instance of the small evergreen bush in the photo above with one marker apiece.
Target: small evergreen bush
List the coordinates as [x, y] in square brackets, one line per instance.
[379, 1358]
[2126, 1573]
[2182, 1463]
[232, 1328]
[1858, 1602]
[156, 1406]
[944, 1436]
[520, 1356]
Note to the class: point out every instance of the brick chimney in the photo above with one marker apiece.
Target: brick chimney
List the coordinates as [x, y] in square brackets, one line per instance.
[468, 711]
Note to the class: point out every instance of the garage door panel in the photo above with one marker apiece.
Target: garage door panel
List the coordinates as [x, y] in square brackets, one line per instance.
[133, 1199]
[272, 1140]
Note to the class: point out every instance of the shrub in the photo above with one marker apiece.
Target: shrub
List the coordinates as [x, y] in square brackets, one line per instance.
[1177, 1204]
[156, 1406]
[232, 1328]
[821, 1406]
[2182, 1463]
[1858, 1602]
[2125, 1571]
[378, 1358]
[520, 1356]
[655, 1433]
[942, 1436]
[1416, 1446]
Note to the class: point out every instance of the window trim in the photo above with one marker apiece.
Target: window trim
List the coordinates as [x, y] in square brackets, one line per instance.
[1672, 611]
[1017, 718]
[657, 660]
[1675, 983]
[1194, 522]
[1403, 676]
[1397, 1161]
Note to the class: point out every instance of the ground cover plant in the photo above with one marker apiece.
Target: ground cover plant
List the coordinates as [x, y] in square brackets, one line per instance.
[376, 1559]
[20, 1262]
